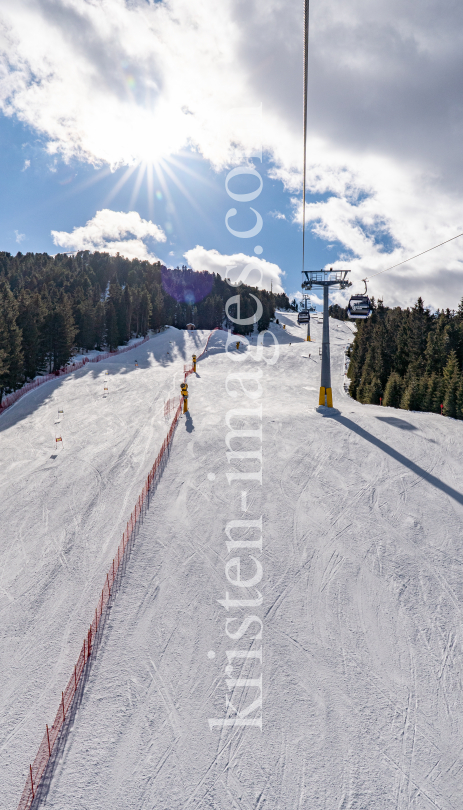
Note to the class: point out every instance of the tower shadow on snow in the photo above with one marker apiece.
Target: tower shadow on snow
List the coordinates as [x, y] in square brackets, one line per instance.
[395, 422]
[406, 462]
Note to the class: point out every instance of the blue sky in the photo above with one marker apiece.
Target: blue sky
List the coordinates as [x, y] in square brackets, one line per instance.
[162, 85]
[45, 193]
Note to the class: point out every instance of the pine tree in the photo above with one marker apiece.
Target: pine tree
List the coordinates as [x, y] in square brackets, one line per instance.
[100, 325]
[136, 298]
[393, 391]
[363, 394]
[451, 367]
[402, 354]
[247, 308]
[358, 355]
[264, 321]
[429, 392]
[145, 312]
[3, 365]
[60, 331]
[126, 315]
[157, 316]
[30, 320]
[460, 399]
[451, 397]
[112, 332]
[439, 393]
[437, 347]
[420, 324]
[86, 325]
[411, 396]
[12, 358]
[451, 377]
[375, 391]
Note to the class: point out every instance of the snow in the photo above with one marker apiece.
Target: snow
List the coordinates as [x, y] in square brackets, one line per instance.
[362, 589]
[63, 514]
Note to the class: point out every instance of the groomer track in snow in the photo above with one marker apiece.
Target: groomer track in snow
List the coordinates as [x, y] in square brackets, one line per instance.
[362, 556]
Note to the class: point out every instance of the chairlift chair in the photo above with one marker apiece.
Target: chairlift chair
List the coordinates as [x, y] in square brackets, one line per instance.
[359, 306]
[303, 316]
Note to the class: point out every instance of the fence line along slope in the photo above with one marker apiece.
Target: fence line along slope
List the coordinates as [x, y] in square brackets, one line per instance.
[63, 514]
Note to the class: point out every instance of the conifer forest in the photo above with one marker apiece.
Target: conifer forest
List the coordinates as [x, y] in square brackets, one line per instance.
[53, 307]
[408, 358]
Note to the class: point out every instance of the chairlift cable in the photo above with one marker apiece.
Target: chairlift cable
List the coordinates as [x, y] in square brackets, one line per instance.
[415, 257]
[306, 67]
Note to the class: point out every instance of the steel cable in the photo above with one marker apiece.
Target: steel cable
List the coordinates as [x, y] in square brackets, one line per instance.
[306, 66]
[414, 257]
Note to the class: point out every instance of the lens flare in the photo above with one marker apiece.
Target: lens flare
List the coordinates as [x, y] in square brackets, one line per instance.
[186, 286]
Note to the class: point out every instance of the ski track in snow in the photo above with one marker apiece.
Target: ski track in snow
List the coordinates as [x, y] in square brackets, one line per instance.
[363, 591]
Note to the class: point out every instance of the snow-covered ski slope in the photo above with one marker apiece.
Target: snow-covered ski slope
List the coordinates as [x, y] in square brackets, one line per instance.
[362, 588]
[63, 512]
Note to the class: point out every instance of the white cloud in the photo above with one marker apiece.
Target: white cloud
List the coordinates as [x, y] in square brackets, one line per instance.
[119, 82]
[125, 82]
[27, 163]
[277, 215]
[258, 273]
[113, 232]
[20, 237]
[361, 216]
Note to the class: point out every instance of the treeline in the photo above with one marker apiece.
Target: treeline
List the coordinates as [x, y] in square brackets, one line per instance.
[52, 307]
[410, 358]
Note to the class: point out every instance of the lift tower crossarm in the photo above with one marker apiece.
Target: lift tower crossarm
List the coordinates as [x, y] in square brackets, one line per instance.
[326, 279]
[329, 278]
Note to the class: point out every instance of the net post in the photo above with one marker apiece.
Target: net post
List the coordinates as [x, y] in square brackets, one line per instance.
[32, 782]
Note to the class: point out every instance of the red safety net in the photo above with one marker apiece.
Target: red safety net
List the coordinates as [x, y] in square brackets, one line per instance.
[207, 343]
[37, 769]
[189, 369]
[170, 406]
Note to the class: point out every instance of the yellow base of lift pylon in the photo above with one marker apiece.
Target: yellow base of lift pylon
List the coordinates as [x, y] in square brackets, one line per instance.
[329, 397]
